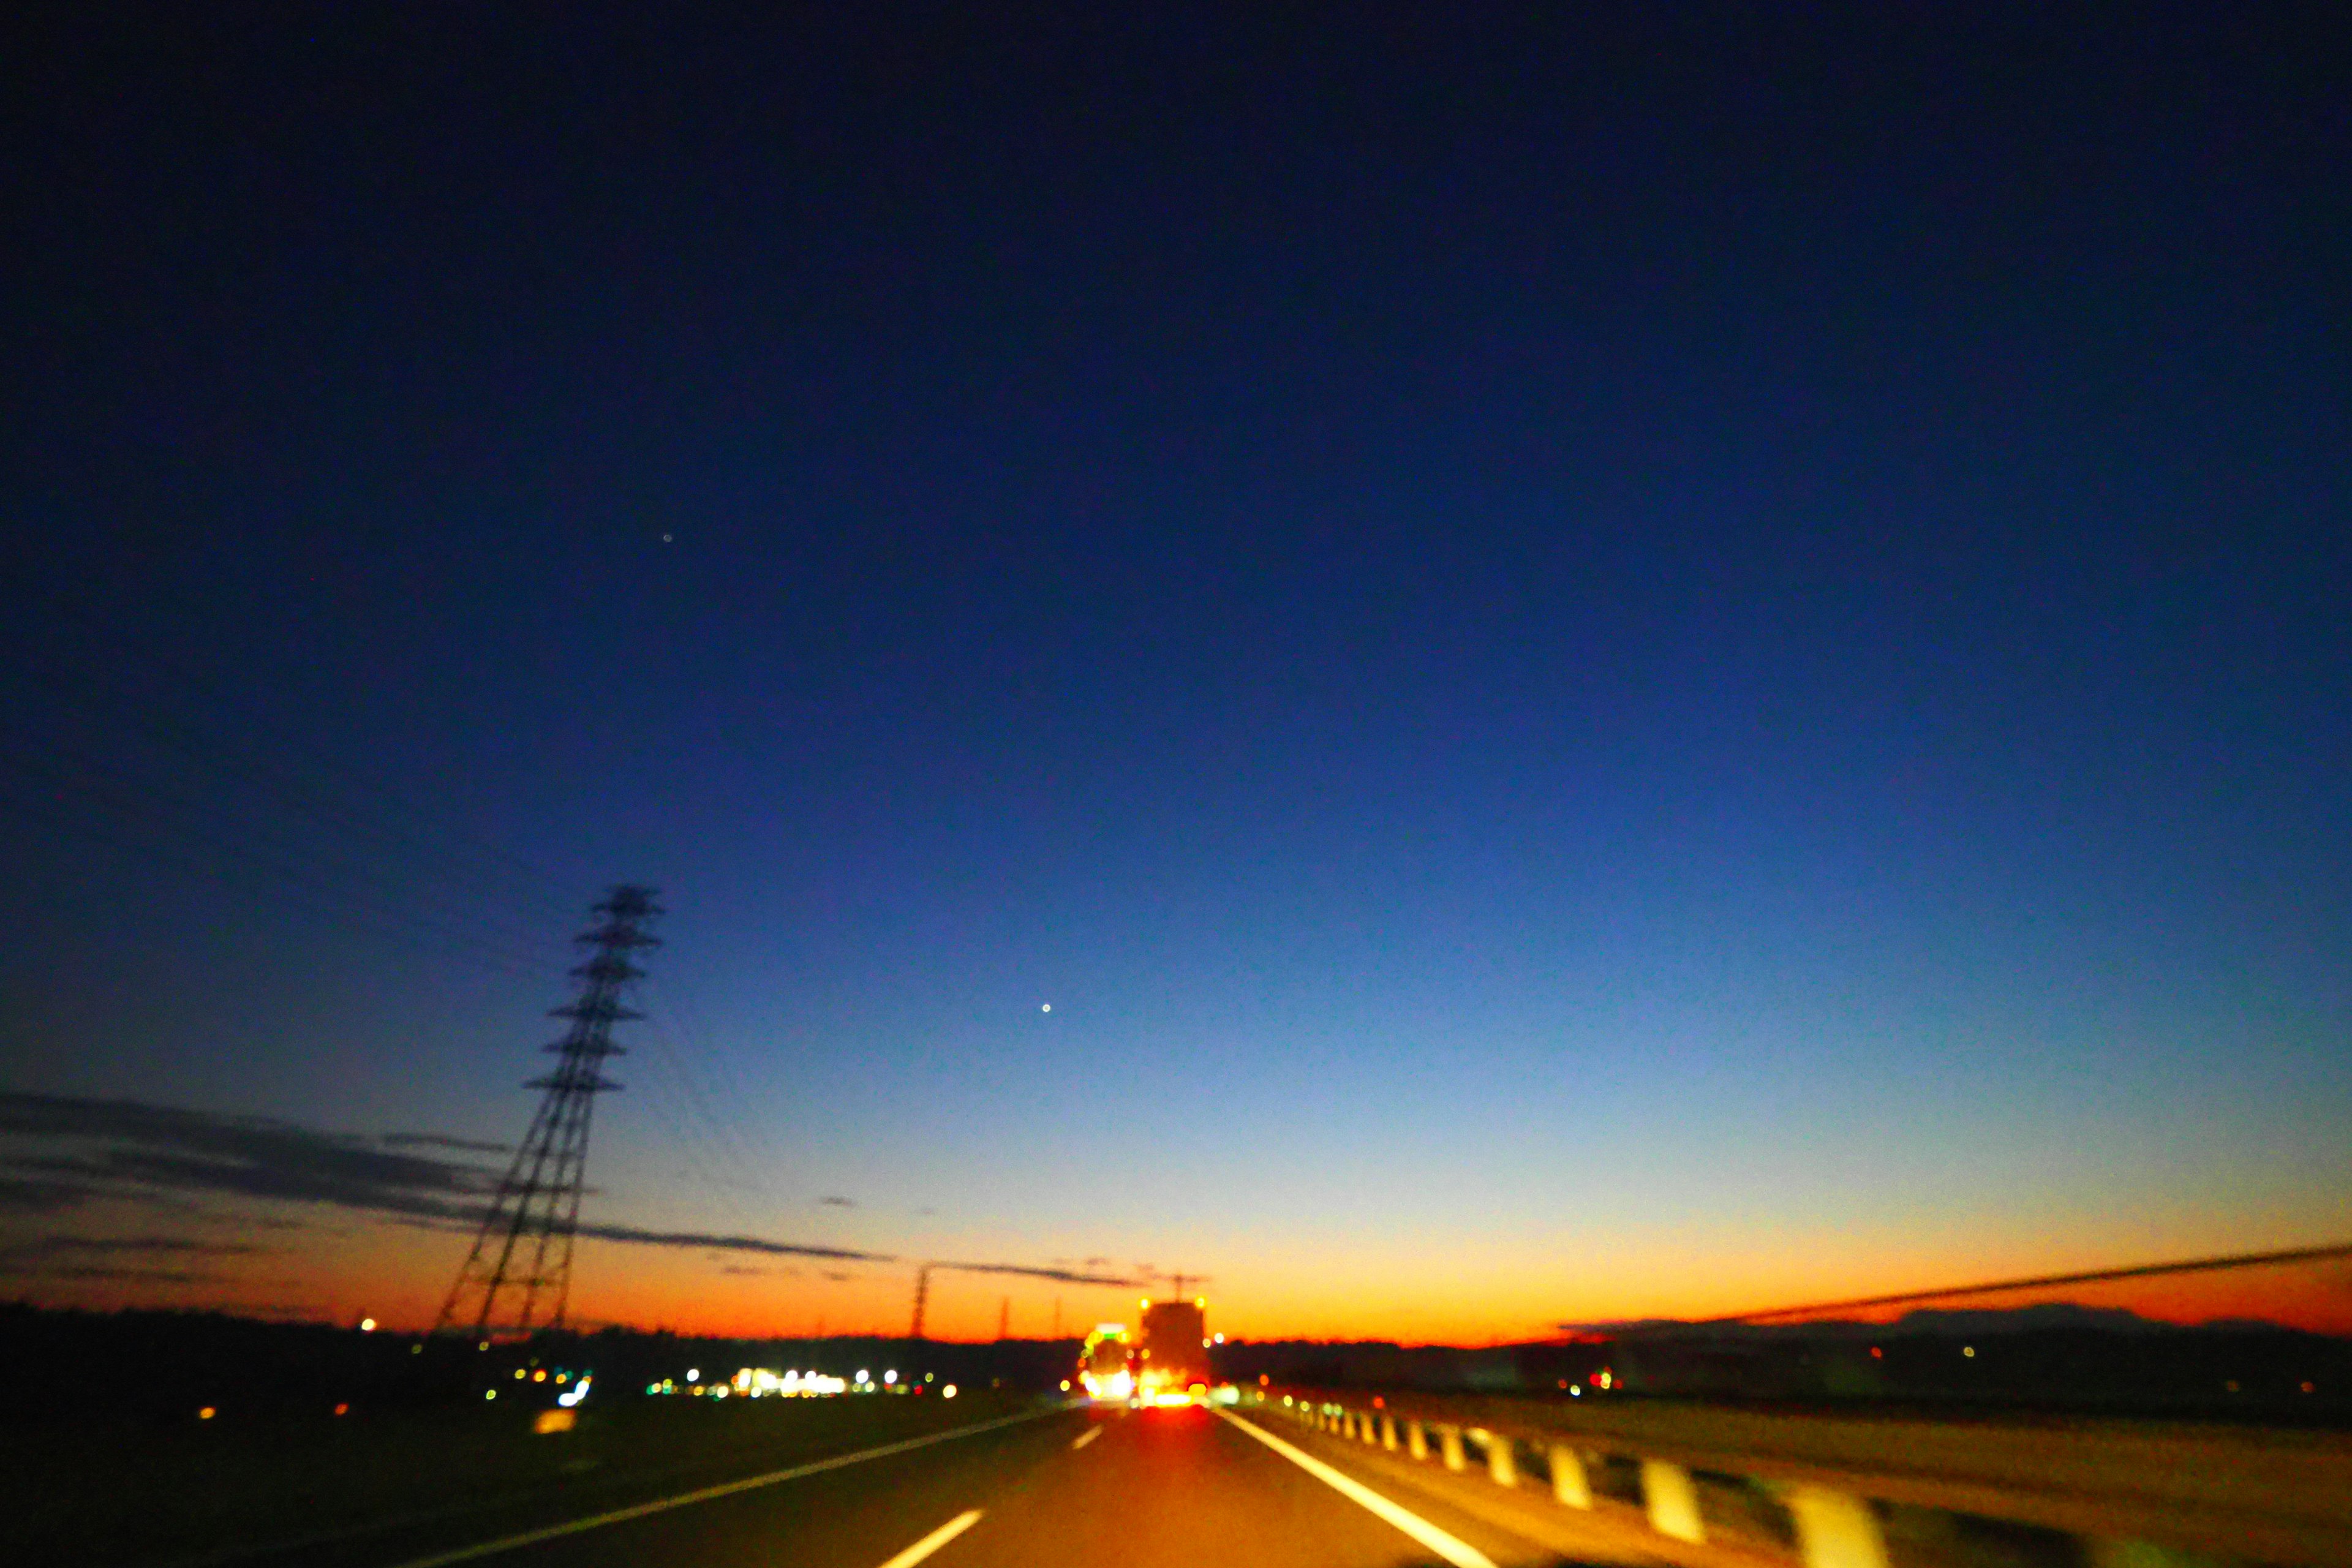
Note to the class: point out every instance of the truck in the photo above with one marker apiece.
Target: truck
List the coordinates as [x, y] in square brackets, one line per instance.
[1103, 1369]
[1172, 1363]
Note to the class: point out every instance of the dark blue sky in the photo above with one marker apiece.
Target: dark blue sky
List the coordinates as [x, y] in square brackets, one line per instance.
[1709, 631]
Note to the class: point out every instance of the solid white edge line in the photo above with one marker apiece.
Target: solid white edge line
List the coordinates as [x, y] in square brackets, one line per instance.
[660, 1505]
[935, 1539]
[1455, 1550]
[1085, 1438]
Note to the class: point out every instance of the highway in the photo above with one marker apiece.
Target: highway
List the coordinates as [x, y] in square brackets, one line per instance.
[1326, 1481]
[1185, 1488]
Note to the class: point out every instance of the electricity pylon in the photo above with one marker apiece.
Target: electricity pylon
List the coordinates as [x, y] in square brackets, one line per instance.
[522, 1255]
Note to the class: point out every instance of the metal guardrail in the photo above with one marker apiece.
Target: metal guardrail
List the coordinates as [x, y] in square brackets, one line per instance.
[1874, 1491]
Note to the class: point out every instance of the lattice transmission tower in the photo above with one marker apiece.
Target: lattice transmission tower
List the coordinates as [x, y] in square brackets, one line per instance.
[522, 1259]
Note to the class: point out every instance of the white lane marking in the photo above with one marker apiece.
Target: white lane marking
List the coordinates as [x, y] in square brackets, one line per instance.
[659, 1505]
[935, 1539]
[1455, 1550]
[1086, 1436]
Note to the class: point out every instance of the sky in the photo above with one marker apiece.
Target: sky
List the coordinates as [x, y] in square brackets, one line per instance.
[1454, 674]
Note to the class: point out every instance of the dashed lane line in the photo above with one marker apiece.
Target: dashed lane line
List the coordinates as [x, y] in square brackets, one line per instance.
[1453, 1549]
[1085, 1438]
[935, 1539]
[728, 1489]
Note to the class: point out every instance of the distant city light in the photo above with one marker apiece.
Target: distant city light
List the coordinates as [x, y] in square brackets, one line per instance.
[948, 1392]
[1968, 1349]
[890, 1376]
[694, 1374]
[755, 1383]
[207, 1413]
[367, 1325]
[342, 1410]
[489, 1393]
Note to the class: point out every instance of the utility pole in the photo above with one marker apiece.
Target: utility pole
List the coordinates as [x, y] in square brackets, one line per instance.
[922, 1294]
[522, 1255]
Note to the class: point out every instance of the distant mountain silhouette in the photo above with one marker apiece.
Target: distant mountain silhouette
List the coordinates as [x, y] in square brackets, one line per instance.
[1938, 1322]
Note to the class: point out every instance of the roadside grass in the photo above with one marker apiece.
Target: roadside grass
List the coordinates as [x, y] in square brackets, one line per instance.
[131, 1497]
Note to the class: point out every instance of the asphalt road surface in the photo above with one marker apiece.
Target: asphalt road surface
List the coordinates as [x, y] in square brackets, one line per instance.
[1184, 1488]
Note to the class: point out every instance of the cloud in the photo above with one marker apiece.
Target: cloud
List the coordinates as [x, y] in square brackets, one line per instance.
[634, 1236]
[1032, 1271]
[836, 1201]
[125, 1146]
[57, 1152]
[442, 1141]
[137, 1276]
[61, 1245]
[20, 1195]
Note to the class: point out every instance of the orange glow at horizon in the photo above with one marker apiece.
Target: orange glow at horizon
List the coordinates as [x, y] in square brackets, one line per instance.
[397, 1275]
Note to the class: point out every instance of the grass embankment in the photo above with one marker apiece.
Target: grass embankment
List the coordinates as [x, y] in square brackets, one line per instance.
[90, 1493]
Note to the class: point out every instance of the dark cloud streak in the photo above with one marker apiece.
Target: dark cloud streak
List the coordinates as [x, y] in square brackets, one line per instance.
[442, 1141]
[1032, 1271]
[632, 1236]
[118, 1148]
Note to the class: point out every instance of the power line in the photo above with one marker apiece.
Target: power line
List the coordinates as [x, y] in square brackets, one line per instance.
[311, 889]
[2003, 1287]
[106, 694]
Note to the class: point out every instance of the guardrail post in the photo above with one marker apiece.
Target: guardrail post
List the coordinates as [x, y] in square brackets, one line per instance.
[1568, 1483]
[1502, 1465]
[1347, 1425]
[1388, 1433]
[1371, 1429]
[1449, 1440]
[1672, 1499]
[1836, 1530]
[1416, 1441]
